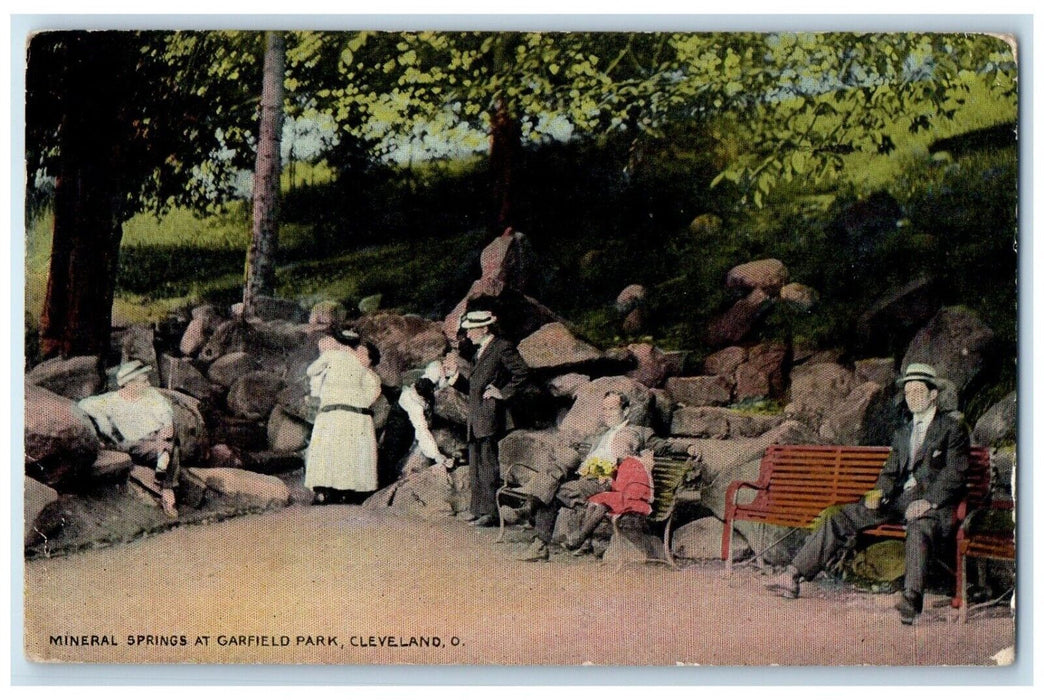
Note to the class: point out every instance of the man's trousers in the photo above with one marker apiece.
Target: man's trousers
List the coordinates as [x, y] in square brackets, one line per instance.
[485, 472]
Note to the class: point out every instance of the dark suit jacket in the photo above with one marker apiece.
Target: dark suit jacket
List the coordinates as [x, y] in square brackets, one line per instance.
[940, 466]
[501, 366]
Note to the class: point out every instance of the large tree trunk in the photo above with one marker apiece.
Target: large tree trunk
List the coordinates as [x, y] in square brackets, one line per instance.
[77, 312]
[264, 244]
[505, 148]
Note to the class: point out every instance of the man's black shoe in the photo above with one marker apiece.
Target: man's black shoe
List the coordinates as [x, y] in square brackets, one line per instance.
[909, 607]
[482, 521]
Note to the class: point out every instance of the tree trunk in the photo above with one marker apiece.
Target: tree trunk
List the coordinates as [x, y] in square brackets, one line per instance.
[505, 147]
[77, 311]
[264, 244]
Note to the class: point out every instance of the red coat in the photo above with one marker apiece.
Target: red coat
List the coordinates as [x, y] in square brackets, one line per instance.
[631, 491]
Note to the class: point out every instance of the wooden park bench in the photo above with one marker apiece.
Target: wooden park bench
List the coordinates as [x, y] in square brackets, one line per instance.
[797, 482]
[671, 478]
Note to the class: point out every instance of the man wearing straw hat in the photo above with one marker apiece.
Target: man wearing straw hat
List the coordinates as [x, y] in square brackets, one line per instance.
[919, 486]
[498, 372]
[140, 421]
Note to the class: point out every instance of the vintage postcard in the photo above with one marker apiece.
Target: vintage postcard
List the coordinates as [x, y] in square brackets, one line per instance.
[521, 348]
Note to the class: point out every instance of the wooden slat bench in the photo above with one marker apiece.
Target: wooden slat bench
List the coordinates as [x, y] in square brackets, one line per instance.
[797, 482]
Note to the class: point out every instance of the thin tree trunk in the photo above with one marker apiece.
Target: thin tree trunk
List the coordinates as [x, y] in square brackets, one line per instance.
[264, 244]
[505, 147]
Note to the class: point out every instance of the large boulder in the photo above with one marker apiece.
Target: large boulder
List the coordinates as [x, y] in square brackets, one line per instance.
[269, 308]
[254, 394]
[75, 378]
[715, 422]
[537, 460]
[226, 369]
[816, 389]
[699, 391]
[633, 322]
[768, 359]
[724, 362]
[566, 385]
[60, 440]
[296, 401]
[508, 260]
[651, 369]
[767, 275]
[205, 320]
[880, 370]
[245, 488]
[897, 314]
[414, 341]
[109, 466]
[270, 342]
[35, 497]
[179, 374]
[519, 314]
[554, 347]
[287, 433]
[848, 422]
[584, 417]
[701, 539]
[955, 342]
[427, 493]
[997, 425]
[735, 324]
[242, 433]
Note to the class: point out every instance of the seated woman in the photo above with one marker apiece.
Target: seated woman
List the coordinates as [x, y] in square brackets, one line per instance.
[631, 492]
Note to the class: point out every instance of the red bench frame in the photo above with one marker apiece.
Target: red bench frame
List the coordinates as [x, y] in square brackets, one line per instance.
[797, 482]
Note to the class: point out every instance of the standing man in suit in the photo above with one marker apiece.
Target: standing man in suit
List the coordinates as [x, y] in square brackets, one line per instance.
[497, 373]
[920, 485]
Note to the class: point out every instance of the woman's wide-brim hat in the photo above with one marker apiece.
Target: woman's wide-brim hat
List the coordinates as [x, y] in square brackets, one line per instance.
[920, 372]
[345, 336]
[477, 319]
[130, 371]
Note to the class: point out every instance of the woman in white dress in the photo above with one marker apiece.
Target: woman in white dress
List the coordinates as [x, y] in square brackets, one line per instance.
[341, 462]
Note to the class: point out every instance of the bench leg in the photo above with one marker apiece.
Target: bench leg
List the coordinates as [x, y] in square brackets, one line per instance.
[500, 515]
[667, 543]
[962, 587]
[727, 548]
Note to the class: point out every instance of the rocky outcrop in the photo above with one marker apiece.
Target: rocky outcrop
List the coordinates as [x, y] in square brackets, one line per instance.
[179, 374]
[815, 389]
[584, 417]
[721, 423]
[847, 423]
[955, 342]
[205, 320]
[226, 369]
[699, 391]
[799, 295]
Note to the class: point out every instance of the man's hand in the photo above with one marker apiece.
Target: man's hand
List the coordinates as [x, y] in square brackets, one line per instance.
[694, 451]
[492, 392]
[917, 509]
[449, 365]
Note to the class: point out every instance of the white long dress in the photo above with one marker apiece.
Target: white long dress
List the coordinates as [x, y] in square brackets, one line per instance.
[343, 451]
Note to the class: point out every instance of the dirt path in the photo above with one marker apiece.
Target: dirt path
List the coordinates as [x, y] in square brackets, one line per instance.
[371, 578]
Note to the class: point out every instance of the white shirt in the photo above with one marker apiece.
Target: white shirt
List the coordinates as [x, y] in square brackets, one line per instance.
[923, 420]
[133, 419]
[604, 448]
[413, 404]
[482, 344]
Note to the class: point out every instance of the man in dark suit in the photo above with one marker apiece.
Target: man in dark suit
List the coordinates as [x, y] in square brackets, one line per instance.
[497, 373]
[920, 485]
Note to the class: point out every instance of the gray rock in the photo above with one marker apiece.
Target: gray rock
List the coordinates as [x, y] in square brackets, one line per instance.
[880, 370]
[270, 342]
[35, 497]
[566, 385]
[521, 313]
[714, 422]
[955, 342]
[287, 433]
[381, 409]
[75, 378]
[584, 417]
[405, 341]
[674, 362]
[701, 539]
[816, 389]
[425, 493]
[205, 320]
[296, 401]
[699, 391]
[245, 488]
[274, 309]
[724, 362]
[768, 359]
[767, 275]
[997, 425]
[799, 295]
[189, 426]
[137, 342]
[898, 312]
[60, 440]
[536, 460]
[226, 369]
[631, 297]
[451, 405]
[651, 369]
[370, 304]
[848, 421]
[254, 394]
[110, 465]
[751, 383]
[736, 324]
[553, 346]
[179, 374]
[326, 313]
[633, 322]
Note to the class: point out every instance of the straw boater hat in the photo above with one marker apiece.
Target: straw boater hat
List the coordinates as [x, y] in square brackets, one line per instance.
[131, 370]
[477, 319]
[919, 372]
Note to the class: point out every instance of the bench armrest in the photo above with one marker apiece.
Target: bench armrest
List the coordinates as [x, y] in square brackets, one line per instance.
[730, 494]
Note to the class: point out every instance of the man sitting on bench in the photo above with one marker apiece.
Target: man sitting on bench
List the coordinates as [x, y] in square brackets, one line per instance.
[919, 486]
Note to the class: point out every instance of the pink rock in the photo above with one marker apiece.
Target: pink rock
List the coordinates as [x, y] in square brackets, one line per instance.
[734, 325]
[651, 369]
[699, 391]
[631, 297]
[768, 275]
[725, 361]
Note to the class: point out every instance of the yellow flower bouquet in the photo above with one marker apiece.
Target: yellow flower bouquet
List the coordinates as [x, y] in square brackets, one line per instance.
[598, 468]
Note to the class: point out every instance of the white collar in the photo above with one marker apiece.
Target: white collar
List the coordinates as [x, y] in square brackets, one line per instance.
[926, 416]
